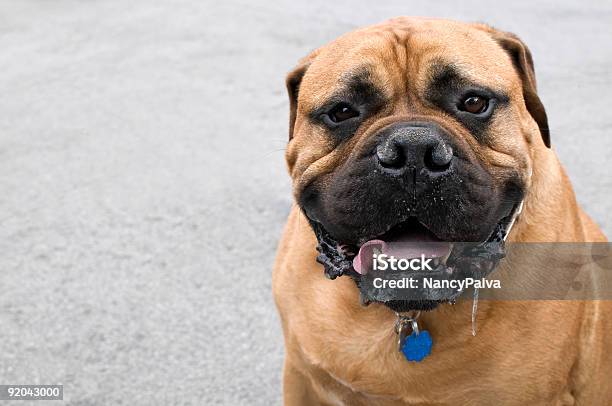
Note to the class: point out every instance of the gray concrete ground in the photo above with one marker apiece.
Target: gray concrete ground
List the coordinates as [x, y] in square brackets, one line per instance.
[143, 189]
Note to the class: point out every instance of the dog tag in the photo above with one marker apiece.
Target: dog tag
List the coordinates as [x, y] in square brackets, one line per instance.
[416, 346]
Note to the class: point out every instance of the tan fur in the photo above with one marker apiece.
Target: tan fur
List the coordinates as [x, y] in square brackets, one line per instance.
[525, 353]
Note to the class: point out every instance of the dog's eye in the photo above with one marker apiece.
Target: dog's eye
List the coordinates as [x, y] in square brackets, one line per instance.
[474, 104]
[342, 112]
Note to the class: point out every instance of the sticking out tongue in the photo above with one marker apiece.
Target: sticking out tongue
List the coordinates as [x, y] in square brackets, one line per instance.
[406, 244]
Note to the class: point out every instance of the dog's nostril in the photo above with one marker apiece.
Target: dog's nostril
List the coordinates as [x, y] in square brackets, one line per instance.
[439, 157]
[390, 155]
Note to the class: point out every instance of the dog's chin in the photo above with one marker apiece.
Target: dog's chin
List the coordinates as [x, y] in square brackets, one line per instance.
[475, 259]
[400, 306]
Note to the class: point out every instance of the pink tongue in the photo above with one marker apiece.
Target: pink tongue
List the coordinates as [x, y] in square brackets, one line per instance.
[407, 246]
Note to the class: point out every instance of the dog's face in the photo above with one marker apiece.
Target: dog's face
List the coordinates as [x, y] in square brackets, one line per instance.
[415, 124]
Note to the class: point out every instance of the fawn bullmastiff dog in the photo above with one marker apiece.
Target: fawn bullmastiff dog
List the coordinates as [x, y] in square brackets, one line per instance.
[403, 133]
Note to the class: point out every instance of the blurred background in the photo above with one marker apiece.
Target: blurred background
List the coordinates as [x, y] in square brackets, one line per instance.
[143, 187]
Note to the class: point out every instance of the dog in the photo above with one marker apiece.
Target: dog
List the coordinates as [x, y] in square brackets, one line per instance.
[433, 128]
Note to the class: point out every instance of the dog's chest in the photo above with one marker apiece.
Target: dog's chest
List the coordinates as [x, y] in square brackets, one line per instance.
[421, 390]
[372, 372]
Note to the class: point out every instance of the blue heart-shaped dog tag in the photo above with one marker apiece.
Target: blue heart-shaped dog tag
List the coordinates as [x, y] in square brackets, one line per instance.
[417, 346]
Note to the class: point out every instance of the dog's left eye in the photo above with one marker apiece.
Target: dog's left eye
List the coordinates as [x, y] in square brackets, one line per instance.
[342, 112]
[474, 104]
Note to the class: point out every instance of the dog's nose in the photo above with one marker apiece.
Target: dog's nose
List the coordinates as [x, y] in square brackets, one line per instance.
[414, 146]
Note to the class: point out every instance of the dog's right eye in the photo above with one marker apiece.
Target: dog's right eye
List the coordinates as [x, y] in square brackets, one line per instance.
[342, 112]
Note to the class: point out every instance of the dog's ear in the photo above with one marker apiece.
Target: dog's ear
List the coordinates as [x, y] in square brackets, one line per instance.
[523, 62]
[293, 81]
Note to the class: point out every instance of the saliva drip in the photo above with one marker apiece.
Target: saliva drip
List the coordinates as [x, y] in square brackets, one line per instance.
[474, 311]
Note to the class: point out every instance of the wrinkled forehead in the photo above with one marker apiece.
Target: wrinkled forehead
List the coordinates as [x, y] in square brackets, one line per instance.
[408, 55]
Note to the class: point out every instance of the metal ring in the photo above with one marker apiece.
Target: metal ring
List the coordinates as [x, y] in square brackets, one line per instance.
[401, 326]
[415, 326]
[411, 318]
